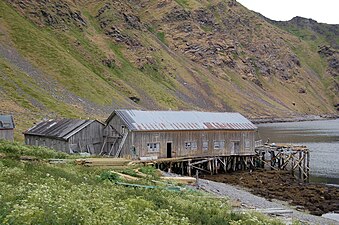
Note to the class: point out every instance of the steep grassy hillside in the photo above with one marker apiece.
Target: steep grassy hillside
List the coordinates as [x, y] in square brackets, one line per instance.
[84, 58]
[324, 39]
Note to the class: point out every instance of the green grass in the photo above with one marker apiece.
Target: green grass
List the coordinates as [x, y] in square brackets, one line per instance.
[161, 37]
[22, 89]
[74, 62]
[15, 150]
[183, 3]
[40, 193]
[53, 54]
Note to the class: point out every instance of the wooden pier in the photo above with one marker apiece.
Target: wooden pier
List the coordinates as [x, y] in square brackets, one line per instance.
[273, 157]
[285, 157]
[210, 165]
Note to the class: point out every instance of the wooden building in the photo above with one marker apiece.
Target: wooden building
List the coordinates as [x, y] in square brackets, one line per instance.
[167, 134]
[7, 127]
[67, 135]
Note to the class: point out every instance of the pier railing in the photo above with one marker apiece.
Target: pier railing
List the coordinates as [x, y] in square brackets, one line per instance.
[258, 143]
[285, 157]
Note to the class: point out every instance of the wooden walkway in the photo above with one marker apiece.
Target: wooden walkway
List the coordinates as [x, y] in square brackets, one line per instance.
[207, 164]
[285, 157]
[274, 156]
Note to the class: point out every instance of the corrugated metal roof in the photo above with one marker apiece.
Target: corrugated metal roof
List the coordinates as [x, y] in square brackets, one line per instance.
[6, 122]
[183, 120]
[59, 129]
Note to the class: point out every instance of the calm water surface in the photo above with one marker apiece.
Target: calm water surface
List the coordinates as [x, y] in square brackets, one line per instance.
[321, 137]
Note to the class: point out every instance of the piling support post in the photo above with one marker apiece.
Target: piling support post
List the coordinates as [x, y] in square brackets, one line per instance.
[263, 159]
[216, 165]
[308, 165]
[299, 165]
[189, 167]
[225, 165]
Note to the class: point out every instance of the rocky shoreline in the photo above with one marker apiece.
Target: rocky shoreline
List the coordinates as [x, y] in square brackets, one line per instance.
[242, 200]
[316, 199]
[293, 119]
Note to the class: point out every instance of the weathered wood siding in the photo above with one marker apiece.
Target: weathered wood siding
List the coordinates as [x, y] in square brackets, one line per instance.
[178, 139]
[59, 145]
[89, 139]
[7, 134]
[114, 131]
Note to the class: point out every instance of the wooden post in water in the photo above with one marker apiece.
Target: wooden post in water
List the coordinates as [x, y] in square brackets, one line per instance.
[305, 175]
[273, 160]
[170, 167]
[209, 166]
[292, 163]
[263, 159]
[225, 165]
[282, 158]
[216, 165]
[308, 166]
[299, 164]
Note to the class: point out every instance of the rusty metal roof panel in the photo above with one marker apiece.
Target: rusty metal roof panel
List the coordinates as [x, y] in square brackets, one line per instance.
[59, 129]
[139, 120]
[6, 122]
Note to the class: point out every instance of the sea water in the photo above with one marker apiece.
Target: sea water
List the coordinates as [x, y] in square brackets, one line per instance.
[322, 139]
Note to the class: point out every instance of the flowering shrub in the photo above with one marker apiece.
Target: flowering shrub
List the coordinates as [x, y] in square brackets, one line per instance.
[15, 150]
[39, 193]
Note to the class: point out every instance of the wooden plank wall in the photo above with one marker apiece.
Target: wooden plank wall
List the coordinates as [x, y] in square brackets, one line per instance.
[7, 134]
[88, 138]
[92, 135]
[56, 144]
[178, 139]
[112, 134]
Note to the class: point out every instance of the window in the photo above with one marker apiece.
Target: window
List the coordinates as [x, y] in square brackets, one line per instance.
[191, 145]
[219, 144]
[5, 125]
[205, 145]
[153, 147]
[235, 147]
[123, 129]
[247, 143]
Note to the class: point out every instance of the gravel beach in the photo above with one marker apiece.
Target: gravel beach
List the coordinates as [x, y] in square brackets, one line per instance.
[252, 201]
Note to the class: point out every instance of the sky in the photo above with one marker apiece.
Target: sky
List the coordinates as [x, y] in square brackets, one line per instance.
[323, 11]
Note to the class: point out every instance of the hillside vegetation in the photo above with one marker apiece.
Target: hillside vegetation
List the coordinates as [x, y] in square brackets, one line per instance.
[85, 58]
[39, 193]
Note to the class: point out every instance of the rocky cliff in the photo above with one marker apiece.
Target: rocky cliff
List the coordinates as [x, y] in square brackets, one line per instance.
[84, 58]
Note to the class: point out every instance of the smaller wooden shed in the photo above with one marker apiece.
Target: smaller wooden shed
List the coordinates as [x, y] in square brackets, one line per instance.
[7, 127]
[67, 135]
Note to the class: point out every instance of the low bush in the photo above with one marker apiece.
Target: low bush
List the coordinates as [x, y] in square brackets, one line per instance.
[130, 172]
[15, 150]
[40, 193]
[150, 170]
[108, 175]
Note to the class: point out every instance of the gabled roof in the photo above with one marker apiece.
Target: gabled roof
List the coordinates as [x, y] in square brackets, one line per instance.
[59, 129]
[6, 122]
[138, 120]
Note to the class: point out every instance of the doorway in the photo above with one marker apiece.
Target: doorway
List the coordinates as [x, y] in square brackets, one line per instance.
[235, 147]
[169, 149]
